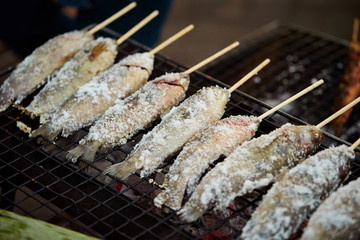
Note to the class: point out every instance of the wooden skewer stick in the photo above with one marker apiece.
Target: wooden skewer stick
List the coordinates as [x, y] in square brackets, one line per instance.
[289, 100]
[338, 113]
[355, 30]
[355, 144]
[112, 18]
[172, 39]
[213, 57]
[249, 75]
[137, 27]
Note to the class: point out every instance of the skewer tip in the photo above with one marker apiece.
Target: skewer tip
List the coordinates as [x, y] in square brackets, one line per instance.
[355, 144]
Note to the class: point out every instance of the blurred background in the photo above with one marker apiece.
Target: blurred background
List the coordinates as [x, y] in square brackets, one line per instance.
[27, 24]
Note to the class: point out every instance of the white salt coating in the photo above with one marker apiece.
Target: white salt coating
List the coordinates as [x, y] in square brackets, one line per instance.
[43, 61]
[338, 217]
[95, 97]
[178, 126]
[252, 165]
[128, 116]
[76, 72]
[218, 139]
[297, 193]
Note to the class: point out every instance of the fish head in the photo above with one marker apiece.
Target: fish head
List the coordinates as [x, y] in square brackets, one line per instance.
[310, 137]
[143, 60]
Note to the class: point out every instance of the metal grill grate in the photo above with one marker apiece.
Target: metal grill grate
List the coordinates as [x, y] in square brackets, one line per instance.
[37, 181]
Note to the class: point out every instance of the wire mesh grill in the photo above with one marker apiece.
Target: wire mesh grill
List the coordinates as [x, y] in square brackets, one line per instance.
[36, 180]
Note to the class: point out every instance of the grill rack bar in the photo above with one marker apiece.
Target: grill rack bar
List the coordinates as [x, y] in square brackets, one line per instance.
[85, 203]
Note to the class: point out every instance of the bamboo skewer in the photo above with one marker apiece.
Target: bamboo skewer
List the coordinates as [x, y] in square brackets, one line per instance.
[112, 18]
[137, 27]
[213, 57]
[355, 144]
[172, 39]
[249, 75]
[299, 94]
[338, 113]
[355, 30]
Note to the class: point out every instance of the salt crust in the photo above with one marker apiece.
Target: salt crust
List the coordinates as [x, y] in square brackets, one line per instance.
[95, 97]
[178, 126]
[338, 217]
[218, 139]
[298, 192]
[252, 165]
[134, 113]
[43, 61]
[72, 75]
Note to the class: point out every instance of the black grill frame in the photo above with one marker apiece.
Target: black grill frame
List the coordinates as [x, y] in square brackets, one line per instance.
[81, 200]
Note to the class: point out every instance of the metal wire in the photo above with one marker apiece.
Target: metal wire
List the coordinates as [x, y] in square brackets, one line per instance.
[78, 197]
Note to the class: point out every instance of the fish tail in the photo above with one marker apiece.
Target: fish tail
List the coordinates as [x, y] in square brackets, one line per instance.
[90, 150]
[45, 131]
[75, 153]
[192, 210]
[121, 170]
[26, 110]
[170, 197]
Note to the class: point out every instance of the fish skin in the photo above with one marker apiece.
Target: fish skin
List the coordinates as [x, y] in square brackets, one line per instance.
[298, 192]
[177, 127]
[95, 97]
[252, 165]
[202, 150]
[120, 122]
[91, 60]
[34, 70]
[338, 217]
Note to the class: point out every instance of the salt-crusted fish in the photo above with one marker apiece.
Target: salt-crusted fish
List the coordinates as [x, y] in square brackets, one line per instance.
[338, 217]
[120, 122]
[298, 192]
[176, 128]
[252, 165]
[219, 139]
[95, 97]
[91, 60]
[33, 71]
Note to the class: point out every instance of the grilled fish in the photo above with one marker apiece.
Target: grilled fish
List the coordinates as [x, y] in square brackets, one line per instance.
[219, 139]
[298, 192]
[33, 71]
[252, 165]
[94, 58]
[95, 97]
[176, 128]
[338, 217]
[127, 117]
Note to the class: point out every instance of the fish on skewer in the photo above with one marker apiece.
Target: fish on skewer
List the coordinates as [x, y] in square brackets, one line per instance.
[33, 71]
[219, 139]
[298, 192]
[255, 164]
[91, 60]
[349, 86]
[177, 127]
[120, 122]
[202, 150]
[338, 217]
[252, 165]
[118, 82]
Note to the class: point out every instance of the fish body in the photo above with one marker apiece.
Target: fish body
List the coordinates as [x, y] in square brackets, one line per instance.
[298, 192]
[120, 122]
[202, 150]
[95, 97]
[176, 128]
[338, 217]
[34, 70]
[252, 165]
[91, 60]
